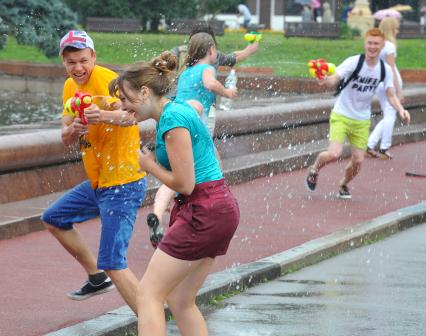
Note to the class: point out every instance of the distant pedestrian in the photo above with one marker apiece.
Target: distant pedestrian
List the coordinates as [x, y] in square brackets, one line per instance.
[346, 10]
[245, 12]
[327, 15]
[116, 186]
[186, 162]
[384, 129]
[316, 9]
[306, 13]
[350, 117]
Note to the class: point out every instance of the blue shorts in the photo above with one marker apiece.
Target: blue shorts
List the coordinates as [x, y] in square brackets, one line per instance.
[117, 207]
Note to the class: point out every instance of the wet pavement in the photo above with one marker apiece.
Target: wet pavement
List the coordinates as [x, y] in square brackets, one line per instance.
[378, 289]
[277, 214]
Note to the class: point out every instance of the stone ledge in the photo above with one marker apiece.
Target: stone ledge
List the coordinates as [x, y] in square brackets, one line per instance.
[413, 75]
[243, 169]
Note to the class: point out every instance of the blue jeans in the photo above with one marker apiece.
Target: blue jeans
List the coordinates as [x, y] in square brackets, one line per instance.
[117, 207]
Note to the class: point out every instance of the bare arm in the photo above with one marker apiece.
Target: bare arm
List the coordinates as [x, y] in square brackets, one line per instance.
[246, 52]
[393, 99]
[212, 84]
[330, 81]
[179, 151]
[71, 130]
[118, 117]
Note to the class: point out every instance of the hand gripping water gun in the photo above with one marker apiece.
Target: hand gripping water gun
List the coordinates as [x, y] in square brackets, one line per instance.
[253, 37]
[78, 103]
[319, 68]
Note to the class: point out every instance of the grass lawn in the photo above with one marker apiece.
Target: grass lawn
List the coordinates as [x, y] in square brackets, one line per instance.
[288, 57]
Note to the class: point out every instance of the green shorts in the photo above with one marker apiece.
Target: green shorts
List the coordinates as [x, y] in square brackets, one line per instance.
[356, 131]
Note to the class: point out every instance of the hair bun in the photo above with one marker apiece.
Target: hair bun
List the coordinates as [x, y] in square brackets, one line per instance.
[165, 63]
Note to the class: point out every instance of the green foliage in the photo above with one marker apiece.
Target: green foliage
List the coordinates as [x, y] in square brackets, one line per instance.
[287, 57]
[38, 22]
[13, 51]
[348, 33]
[154, 10]
[3, 33]
[214, 7]
[105, 8]
[182, 9]
[145, 10]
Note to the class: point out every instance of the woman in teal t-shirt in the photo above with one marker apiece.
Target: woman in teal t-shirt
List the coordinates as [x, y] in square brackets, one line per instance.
[179, 114]
[205, 215]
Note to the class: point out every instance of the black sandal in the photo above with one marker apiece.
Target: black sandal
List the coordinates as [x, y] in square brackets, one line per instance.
[311, 180]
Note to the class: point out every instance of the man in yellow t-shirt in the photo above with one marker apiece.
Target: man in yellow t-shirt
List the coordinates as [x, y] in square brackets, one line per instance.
[115, 189]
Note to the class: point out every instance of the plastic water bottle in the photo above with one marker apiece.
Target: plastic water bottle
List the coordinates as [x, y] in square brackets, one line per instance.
[230, 83]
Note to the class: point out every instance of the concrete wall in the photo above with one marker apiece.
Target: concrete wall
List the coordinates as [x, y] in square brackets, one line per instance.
[28, 77]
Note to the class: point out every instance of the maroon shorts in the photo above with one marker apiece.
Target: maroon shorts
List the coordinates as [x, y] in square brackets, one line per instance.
[203, 223]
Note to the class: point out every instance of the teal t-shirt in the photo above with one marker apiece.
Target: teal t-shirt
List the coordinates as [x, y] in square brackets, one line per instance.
[190, 86]
[180, 114]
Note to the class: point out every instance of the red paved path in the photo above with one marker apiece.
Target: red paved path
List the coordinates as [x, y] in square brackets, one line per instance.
[277, 213]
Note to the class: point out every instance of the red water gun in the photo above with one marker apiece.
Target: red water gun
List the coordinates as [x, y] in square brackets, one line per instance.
[319, 68]
[77, 104]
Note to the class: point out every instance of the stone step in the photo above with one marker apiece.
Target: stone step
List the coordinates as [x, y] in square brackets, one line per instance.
[22, 217]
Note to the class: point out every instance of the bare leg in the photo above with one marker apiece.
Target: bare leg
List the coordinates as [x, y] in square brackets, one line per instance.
[181, 301]
[354, 166]
[162, 200]
[126, 283]
[73, 242]
[163, 275]
[331, 154]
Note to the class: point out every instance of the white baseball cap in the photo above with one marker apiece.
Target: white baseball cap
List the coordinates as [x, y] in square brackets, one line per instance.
[76, 38]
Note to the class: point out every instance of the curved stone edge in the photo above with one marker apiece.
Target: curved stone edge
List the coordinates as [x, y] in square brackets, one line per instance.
[44, 148]
[122, 321]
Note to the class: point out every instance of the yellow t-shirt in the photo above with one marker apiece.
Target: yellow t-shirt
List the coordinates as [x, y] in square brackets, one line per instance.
[109, 152]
